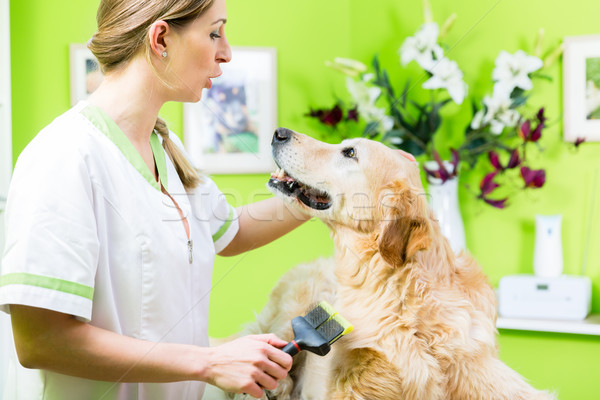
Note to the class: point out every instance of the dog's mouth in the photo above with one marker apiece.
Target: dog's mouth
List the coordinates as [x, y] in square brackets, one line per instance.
[311, 197]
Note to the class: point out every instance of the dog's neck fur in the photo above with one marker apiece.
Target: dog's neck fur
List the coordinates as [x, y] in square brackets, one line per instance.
[366, 282]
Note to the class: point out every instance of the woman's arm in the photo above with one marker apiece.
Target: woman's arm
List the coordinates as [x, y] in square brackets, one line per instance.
[58, 342]
[261, 223]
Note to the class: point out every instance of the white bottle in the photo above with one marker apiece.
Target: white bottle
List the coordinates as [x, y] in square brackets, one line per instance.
[548, 255]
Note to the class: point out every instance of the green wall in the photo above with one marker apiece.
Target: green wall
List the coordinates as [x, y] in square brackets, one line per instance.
[306, 34]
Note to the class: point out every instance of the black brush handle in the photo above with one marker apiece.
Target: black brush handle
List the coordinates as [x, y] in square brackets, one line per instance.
[307, 338]
[292, 348]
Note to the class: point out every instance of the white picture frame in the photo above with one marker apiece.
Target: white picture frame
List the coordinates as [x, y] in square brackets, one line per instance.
[581, 88]
[229, 131]
[84, 72]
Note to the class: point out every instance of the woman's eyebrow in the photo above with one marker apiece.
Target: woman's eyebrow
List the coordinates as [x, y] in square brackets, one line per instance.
[223, 20]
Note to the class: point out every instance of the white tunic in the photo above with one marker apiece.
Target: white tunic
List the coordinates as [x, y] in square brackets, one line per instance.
[90, 233]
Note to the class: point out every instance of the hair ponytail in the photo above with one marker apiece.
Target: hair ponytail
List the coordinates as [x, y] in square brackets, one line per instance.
[186, 171]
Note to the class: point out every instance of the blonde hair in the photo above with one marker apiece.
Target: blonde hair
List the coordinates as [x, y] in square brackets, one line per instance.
[123, 33]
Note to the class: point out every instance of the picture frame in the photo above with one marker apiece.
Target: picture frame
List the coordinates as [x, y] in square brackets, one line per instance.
[581, 88]
[84, 72]
[229, 130]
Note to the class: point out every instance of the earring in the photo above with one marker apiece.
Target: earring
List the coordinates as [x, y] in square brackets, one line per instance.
[164, 53]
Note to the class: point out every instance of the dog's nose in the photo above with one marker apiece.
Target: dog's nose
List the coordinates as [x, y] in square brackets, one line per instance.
[281, 135]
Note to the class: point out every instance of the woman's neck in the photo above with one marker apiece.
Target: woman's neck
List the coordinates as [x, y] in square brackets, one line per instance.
[131, 98]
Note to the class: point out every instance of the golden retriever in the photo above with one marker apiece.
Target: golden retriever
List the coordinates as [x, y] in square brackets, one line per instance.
[424, 317]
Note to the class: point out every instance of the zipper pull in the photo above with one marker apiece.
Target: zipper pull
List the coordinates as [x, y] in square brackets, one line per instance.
[191, 248]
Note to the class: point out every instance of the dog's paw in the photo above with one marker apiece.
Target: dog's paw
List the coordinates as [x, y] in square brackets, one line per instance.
[283, 390]
[244, 396]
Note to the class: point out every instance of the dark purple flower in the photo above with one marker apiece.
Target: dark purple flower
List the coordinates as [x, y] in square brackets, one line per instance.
[533, 178]
[496, 203]
[455, 160]
[330, 117]
[487, 184]
[515, 159]
[441, 172]
[315, 113]
[537, 133]
[513, 162]
[353, 114]
[527, 134]
[525, 130]
[540, 116]
[578, 141]
[495, 160]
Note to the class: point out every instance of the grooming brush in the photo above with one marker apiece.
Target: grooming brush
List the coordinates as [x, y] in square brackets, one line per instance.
[317, 330]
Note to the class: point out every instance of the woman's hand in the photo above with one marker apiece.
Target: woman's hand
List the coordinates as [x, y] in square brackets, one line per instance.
[248, 364]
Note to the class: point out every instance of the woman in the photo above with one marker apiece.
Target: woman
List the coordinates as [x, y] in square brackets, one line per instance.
[111, 236]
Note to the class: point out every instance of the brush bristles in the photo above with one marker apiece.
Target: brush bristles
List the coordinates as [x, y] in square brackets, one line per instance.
[318, 315]
[331, 330]
[328, 322]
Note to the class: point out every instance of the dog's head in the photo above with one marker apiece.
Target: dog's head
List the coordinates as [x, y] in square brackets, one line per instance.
[359, 184]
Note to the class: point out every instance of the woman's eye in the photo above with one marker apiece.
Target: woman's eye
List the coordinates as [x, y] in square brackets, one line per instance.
[349, 152]
[215, 35]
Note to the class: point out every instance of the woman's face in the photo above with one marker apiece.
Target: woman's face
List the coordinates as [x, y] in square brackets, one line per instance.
[200, 48]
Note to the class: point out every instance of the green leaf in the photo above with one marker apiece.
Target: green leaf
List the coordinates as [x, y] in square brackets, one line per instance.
[371, 130]
[519, 101]
[412, 148]
[517, 92]
[397, 115]
[389, 87]
[405, 93]
[394, 133]
[542, 76]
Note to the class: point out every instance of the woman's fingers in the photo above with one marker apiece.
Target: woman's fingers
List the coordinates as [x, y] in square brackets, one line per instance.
[274, 354]
[254, 363]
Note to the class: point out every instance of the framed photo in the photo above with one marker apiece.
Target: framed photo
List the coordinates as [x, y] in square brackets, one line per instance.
[581, 88]
[84, 70]
[229, 131]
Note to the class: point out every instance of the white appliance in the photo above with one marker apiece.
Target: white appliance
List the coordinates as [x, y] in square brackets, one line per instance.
[547, 255]
[565, 297]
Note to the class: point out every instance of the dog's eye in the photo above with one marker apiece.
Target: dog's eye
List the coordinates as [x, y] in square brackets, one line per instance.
[349, 152]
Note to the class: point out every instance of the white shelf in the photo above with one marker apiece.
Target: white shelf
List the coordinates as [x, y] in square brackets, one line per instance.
[589, 326]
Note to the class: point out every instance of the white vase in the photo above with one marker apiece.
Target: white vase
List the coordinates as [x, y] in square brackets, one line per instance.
[443, 199]
[547, 255]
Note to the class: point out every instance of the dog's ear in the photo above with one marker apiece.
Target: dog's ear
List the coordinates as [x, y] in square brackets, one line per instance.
[405, 226]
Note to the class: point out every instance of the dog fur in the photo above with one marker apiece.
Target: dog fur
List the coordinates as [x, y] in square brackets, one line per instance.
[424, 317]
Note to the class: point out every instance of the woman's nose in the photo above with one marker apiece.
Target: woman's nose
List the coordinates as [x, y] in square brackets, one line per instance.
[224, 54]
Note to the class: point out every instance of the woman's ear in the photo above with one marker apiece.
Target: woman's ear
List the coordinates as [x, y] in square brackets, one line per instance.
[405, 226]
[157, 38]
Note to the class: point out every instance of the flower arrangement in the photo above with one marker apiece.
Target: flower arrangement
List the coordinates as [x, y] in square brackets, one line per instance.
[502, 130]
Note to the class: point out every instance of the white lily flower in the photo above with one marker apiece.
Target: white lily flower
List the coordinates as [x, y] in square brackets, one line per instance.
[497, 114]
[422, 47]
[377, 115]
[478, 118]
[513, 69]
[362, 94]
[365, 97]
[447, 75]
[387, 122]
[347, 66]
